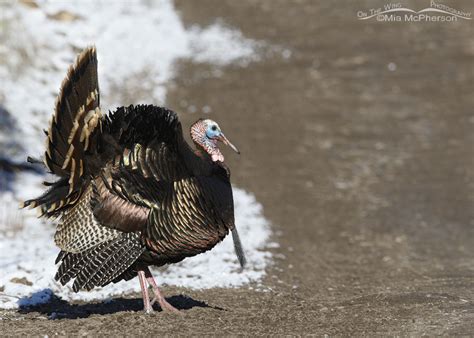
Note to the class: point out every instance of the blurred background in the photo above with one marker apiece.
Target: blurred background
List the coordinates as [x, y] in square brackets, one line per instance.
[356, 139]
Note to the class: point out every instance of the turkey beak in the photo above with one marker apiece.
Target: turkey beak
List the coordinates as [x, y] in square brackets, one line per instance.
[224, 140]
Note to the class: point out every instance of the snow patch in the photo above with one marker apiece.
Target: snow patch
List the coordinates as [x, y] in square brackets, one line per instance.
[37, 298]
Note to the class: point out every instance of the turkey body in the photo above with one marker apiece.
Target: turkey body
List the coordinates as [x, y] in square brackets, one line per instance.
[131, 192]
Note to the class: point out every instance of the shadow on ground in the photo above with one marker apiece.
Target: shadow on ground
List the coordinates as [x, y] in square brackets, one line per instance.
[58, 308]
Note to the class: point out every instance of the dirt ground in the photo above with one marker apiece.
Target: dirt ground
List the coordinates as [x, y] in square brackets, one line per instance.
[360, 147]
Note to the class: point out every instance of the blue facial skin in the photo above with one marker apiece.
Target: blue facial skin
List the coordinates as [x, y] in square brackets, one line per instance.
[212, 133]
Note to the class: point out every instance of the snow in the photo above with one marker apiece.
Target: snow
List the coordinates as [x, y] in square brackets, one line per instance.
[37, 51]
[37, 298]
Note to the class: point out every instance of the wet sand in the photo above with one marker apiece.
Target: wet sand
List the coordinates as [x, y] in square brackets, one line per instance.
[360, 147]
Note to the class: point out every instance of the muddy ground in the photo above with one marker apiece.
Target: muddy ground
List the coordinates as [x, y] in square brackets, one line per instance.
[361, 148]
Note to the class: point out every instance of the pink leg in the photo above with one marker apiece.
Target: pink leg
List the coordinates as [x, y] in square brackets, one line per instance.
[165, 306]
[146, 298]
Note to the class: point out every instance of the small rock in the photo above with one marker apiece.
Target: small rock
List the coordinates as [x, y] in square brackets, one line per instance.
[21, 280]
[64, 16]
[29, 3]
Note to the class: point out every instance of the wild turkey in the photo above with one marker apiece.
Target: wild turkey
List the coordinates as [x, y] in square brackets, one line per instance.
[131, 193]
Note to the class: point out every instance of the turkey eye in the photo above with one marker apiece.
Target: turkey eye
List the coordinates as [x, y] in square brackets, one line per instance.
[214, 128]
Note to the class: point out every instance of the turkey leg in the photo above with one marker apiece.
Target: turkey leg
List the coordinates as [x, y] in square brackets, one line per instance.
[146, 298]
[165, 306]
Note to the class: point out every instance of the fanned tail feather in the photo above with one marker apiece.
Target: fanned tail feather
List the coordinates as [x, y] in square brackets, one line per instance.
[71, 135]
[54, 199]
